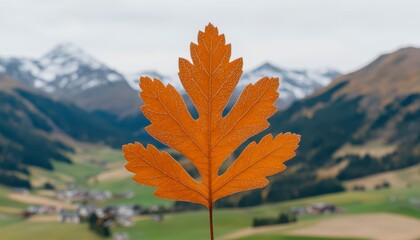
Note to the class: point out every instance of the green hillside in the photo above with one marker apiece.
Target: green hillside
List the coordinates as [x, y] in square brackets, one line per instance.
[378, 105]
[38, 131]
[230, 221]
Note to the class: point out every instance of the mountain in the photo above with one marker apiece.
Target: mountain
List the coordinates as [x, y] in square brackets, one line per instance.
[115, 98]
[295, 84]
[65, 70]
[379, 103]
[36, 129]
[362, 123]
[70, 73]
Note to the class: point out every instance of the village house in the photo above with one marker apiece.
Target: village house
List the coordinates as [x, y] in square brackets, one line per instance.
[41, 210]
[83, 195]
[115, 215]
[322, 208]
[124, 221]
[124, 195]
[122, 210]
[317, 208]
[99, 195]
[69, 217]
[86, 210]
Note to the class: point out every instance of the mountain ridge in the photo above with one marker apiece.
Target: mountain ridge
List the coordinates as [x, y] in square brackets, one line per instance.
[68, 72]
[380, 100]
[64, 70]
[295, 83]
[363, 123]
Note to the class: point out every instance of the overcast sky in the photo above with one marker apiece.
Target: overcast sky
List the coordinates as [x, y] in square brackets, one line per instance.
[138, 35]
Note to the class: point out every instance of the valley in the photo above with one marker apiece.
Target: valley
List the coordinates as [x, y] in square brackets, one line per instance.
[399, 202]
[60, 153]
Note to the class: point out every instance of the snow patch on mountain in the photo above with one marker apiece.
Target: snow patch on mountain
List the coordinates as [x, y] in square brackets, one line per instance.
[68, 53]
[66, 69]
[295, 83]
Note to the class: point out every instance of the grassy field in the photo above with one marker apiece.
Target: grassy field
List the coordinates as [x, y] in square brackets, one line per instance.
[6, 202]
[189, 225]
[194, 225]
[87, 162]
[7, 220]
[22, 230]
[227, 221]
[143, 194]
[279, 237]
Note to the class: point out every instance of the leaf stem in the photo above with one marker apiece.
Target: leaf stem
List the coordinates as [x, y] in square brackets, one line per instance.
[211, 221]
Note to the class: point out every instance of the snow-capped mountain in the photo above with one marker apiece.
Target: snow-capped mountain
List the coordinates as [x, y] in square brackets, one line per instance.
[295, 84]
[66, 69]
[70, 73]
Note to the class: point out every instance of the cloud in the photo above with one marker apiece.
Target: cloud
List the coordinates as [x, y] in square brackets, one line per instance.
[136, 35]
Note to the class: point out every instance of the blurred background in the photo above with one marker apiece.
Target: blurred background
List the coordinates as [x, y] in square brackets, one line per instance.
[69, 99]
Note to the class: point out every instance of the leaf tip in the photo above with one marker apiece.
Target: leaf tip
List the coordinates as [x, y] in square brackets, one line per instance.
[124, 147]
[127, 146]
[210, 27]
[144, 82]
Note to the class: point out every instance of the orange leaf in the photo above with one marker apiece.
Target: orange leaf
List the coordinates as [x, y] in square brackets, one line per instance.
[207, 141]
[255, 163]
[159, 169]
